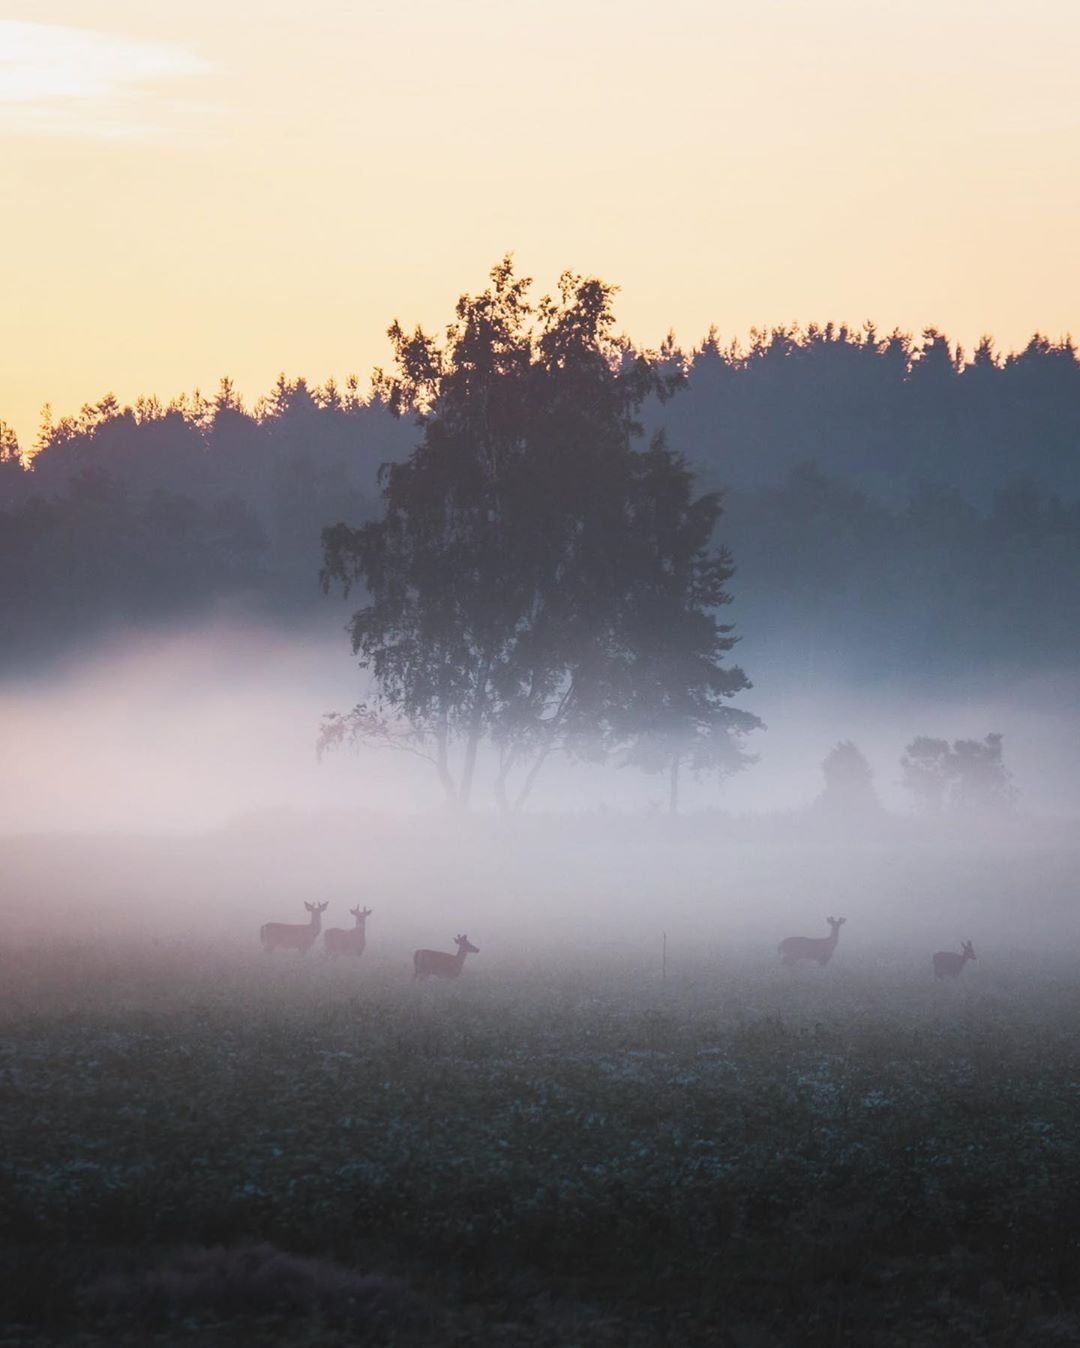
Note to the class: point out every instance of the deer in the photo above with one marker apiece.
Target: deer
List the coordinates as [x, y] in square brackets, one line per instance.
[436, 962]
[819, 948]
[948, 962]
[293, 936]
[339, 942]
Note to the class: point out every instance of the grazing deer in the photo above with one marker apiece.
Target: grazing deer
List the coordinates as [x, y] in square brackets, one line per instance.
[339, 942]
[428, 962]
[818, 948]
[293, 936]
[949, 962]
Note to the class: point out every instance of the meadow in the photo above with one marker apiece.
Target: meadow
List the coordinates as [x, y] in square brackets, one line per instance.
[588, 1154]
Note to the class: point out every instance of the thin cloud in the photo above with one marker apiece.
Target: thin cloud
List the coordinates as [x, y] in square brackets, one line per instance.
[58, 80]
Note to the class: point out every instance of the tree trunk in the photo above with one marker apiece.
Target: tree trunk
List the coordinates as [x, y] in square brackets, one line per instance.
[469, 769]
[442, 764]
[476, 730]
[527, 784]
[507, 759]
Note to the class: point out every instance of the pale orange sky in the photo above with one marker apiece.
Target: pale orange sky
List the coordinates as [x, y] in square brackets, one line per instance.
[191, 189]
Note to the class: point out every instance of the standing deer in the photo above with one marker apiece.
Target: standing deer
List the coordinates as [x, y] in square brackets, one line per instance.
[339, 942]
[293, 936]
[428, 962]
[949, 962]
[818, 948]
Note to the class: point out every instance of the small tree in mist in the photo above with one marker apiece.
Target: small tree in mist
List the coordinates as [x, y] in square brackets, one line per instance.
[983, 783]
[926, 772]
[849, 792]
[534, 581]
[966, 777]
[707, 741]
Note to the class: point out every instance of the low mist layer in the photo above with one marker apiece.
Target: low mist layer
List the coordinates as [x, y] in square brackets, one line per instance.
[191, 728]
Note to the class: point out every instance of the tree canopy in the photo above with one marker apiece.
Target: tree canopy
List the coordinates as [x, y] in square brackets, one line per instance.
[536, 581]
[967, 777]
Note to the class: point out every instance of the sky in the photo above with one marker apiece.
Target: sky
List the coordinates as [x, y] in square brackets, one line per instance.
[191, 189]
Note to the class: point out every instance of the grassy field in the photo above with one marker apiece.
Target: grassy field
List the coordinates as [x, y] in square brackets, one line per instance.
[205, 1145]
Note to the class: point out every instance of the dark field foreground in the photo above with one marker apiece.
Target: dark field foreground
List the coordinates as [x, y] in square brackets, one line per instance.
[216, 1148]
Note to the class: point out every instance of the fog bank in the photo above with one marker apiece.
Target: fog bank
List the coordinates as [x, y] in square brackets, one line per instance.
[191, 728]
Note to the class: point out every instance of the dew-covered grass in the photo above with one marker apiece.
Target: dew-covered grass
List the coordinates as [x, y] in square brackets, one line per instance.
[547, 1153]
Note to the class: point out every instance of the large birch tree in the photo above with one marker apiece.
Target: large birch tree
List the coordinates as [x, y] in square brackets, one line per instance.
[530, 556]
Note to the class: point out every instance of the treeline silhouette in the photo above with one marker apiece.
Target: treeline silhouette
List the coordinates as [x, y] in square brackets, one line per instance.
[146, 513]
[891, 504]
[885, 413]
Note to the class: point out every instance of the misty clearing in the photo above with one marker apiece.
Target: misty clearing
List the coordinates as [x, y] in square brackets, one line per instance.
[576, 845]
[587, 1135]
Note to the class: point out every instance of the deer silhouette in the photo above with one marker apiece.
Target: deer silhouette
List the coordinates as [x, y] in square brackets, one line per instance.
[293, 936]
[947, 963]
[820, 948]
[340, 942]
[437, 963]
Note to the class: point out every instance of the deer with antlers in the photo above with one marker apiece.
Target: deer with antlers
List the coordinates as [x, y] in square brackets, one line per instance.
[293, 936]
[949, 963]
[338, 941]
[820, 948]
[428, 963]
